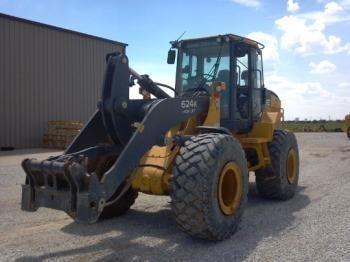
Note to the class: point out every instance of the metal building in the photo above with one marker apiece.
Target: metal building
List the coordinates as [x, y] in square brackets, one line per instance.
[46, 73]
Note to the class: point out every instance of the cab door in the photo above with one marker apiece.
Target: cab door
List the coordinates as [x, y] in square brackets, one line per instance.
[257, 82]
[246, 87]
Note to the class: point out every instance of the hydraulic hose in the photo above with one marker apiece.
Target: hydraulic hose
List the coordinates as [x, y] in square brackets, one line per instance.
[145, 82]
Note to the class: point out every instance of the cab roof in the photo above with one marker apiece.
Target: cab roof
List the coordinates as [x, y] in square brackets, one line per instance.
[226, 37]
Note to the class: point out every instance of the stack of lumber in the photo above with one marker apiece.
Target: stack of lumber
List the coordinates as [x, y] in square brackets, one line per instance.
[59, 134]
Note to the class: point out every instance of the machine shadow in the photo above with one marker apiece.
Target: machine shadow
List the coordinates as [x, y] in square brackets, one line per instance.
[154, 235]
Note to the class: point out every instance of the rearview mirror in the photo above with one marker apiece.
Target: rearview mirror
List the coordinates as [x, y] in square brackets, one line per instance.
[171, 56]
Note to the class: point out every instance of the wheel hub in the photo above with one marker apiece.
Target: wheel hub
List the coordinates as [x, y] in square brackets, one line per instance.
[291, 166]
[230, 188]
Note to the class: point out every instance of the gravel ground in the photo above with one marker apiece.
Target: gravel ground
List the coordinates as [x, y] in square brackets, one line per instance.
[313, 226]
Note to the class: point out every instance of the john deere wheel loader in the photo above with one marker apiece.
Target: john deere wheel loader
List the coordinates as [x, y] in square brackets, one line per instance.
[198, 146]
[346, 125]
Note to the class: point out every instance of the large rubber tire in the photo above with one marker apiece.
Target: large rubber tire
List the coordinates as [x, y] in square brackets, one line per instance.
[120, 206]
[279, 180]
[348, 132]
[123, 204]
[209, 186]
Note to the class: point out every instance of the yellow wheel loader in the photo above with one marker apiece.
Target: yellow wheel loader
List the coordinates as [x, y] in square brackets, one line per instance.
[198, 146]
[346, 125]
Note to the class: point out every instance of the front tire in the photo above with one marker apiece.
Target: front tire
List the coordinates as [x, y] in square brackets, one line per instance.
[279, 179]
[209, 187]
[118, 208]
[121, 206]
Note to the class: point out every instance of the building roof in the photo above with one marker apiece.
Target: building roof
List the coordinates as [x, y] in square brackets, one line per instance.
[14, 18]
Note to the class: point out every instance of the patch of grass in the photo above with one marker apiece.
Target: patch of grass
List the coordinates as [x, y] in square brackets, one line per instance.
[313, 126]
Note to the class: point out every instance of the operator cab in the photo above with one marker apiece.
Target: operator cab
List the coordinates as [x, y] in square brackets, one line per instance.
[232, 59]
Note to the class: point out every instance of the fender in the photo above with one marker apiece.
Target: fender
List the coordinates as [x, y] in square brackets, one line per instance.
[214, 129]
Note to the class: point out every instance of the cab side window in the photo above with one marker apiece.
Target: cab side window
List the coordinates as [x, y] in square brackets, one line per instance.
[242, 70]
[242, 93]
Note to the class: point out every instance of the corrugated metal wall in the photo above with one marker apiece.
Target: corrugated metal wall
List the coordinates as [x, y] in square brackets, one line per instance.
[46, 73]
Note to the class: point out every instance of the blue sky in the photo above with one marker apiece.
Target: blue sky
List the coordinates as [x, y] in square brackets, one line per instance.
[306, 58]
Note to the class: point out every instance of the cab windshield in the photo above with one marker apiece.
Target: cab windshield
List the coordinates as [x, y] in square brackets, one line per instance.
[200, 63]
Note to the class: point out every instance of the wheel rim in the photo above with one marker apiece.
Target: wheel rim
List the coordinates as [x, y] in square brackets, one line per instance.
[291, 166]
[230, 188]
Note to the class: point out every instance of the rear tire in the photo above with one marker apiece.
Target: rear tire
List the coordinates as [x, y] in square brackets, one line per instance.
[279, 180]
[209, 187]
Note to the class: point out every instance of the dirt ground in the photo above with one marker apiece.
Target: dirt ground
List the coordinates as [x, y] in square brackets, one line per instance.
[313, 226]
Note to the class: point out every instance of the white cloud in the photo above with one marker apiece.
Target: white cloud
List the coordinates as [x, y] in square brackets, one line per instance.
[332, 8]
[322, 67]
[270, 52]
[292, 6]
[304, 33]
[309, 100]
[344, 84]
[248, 3]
